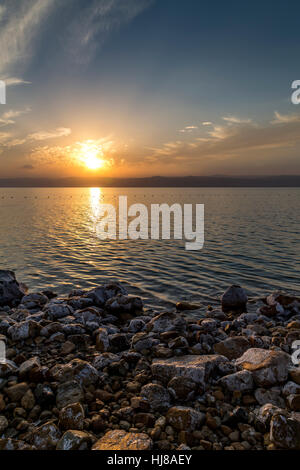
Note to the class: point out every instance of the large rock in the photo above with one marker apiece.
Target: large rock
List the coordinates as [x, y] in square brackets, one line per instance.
[234, 298]
[78, 370]
[268, 367]
[24, 330]
[233, 347]
[100, 295]
[157, 396]
[285, 432]
[196, 368]
[46, 437]
[167, 321]
[121, 440]
[11, 292]
[240, 381]
[183, 418]
[72, 417]
[74, 440]
[68, 393]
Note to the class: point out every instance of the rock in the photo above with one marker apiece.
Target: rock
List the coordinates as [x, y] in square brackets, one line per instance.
[197, 368]
[16, 392]
[183, 418]
[74, 440]
[167, 321]
[181, 389]
[24, 330]
[3, 424]
[7, 369]
[293, 402]
[157, 396]
[121, 440]
[102, 340]
[56, 310]
[13, 444]
[183, 306]
[28, 365]
[143, 342]
[11, 292]
[268, 367]
[264, 396]
[33, 301]
[46, 436]
[291, 388]
[68, 393]
[136, 325]
[234, 298]
[100, 295]
[28, 400]
[285, 432]
[124, 304]
[233, 347]
[265, 413]
[44, 395]
[240, 381]
[78, 370]
[118, 342]
[72, 417]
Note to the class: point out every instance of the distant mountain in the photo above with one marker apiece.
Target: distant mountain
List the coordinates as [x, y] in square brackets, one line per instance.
[156, 182]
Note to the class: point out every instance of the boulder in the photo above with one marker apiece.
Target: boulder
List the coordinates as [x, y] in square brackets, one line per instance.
[268, 367]
[183, 418]
[157, 396]
[240, 381]
[72, 417]
[194, 367]
[11, 292]
[24, 330]
[121, 440]
[285, 432]
[234, 298]
[46, 436]
[233, 347]
[74, 440]
[167, 321]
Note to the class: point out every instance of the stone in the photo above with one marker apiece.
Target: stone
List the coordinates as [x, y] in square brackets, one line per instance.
[16, 392]
[194, 367]
[102, 340]
[234, 298]
[33, 301]
[124, 304]
[233, 347]
[3, 424]
[264, 396]
[74, 440]
[28, 400]
[68, 393]
[57, 310]
[72, 417]
[183, 306]
[11, 292]
[78, 370]
[101, 294]
[122, 440]
[46, 436]
[157, 396]
[28, 365]
[183, 418]
[293, 402]
[241, 381]
[167, 321]
[181, 389]
[24, 330]
[285, 432]
[268, 367]
[295, 374]
[44, 394]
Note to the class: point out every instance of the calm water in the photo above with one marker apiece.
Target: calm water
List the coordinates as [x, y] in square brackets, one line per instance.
[48, 237]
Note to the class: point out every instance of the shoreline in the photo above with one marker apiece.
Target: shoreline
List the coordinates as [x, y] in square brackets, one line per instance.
[99, 370]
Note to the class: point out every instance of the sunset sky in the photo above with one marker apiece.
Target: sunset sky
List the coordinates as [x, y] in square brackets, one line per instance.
[149, 87]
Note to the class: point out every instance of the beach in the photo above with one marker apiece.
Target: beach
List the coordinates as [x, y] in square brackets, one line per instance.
[98, 370]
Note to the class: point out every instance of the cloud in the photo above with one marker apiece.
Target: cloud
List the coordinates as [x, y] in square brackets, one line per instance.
[206, 123]
[232, 142]
[96, 22]
[189, 129]
[9, 117]
[13, 81]
[285, 118]
[27, 167]
[45, 135]
[236, 120]
[21, 22]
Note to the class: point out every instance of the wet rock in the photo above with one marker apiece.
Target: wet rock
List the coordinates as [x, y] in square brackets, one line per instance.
[11, 292]
[167, 321]
[233, 347]
[102, 340]
[268, 367]
[68, 393]
[285, 432]
[74, 440]
[26, 367]
[143, 342]
[196, 368]
[33, 301]
[78, 370]
[14, 444]
[183, 306]
[240, 381]
[46, 437]
[16, 392]
[3, 424]
[264, 396]
[44, 394]
[57, 309]
[124, 304]
[24, 330]
[183, 418]
[181, 389]
[136, 325]
[72, 417]
[157, 396]
[234, 298]
[121, 440]
[100, 295]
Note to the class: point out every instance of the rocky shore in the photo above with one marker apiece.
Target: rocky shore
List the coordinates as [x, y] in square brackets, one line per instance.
[98, 370]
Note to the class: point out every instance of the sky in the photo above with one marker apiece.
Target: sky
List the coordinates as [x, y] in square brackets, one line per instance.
[128, 88]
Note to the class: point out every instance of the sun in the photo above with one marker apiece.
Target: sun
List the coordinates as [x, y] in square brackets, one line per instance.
[91, 156]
